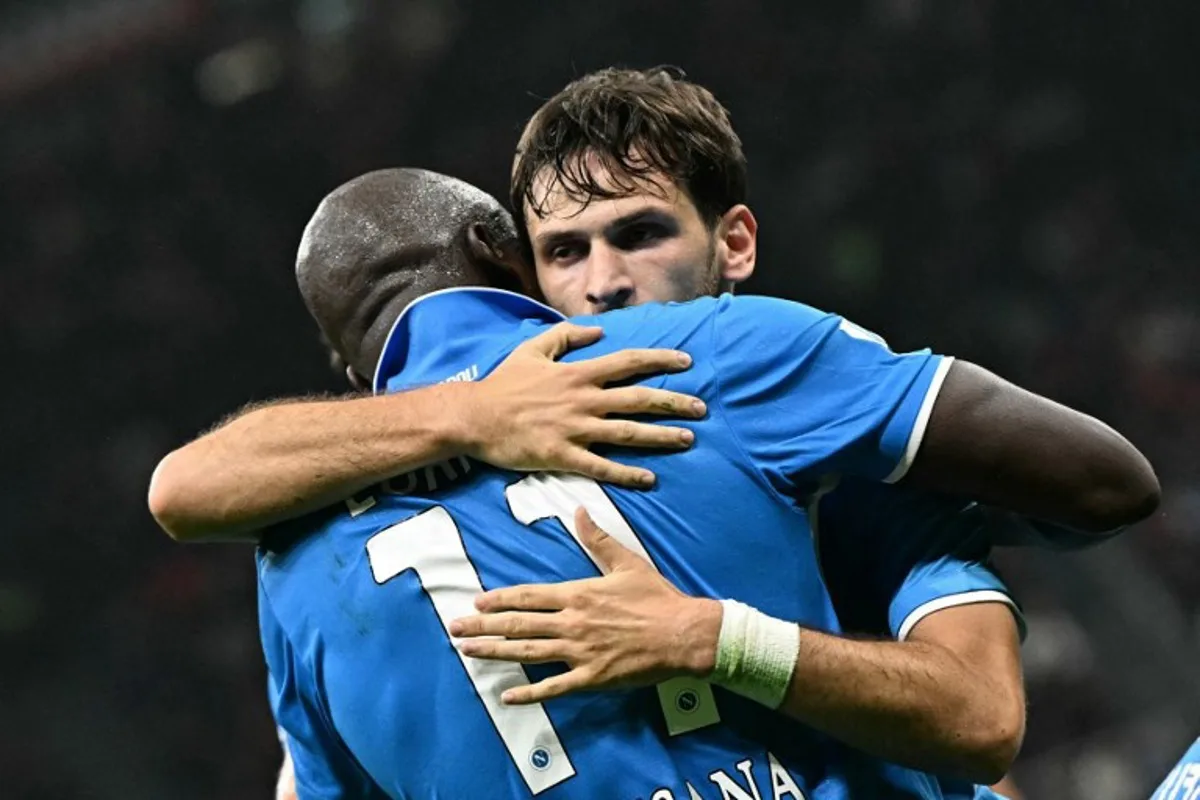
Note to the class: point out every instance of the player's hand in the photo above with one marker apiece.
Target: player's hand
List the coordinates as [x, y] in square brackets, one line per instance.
[631, 627]
[534, 414]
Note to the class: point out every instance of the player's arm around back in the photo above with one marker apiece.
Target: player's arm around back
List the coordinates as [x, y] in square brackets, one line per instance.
[283, 460]
[277, 461]
[809, 394]
[1001, 444]
[949, 699]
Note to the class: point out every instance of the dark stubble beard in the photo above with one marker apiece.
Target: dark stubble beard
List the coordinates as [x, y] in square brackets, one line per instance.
[711, 283]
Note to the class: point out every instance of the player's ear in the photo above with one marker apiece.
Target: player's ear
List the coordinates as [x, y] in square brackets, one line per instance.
[339, 365]
[737, 244]
[503, 261]
[358, 382]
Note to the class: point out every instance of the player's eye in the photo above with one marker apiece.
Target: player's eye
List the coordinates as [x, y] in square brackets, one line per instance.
[640, 235]
[564, 253]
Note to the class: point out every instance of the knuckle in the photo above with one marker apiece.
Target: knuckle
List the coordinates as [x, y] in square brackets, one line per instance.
[575, 656]
[678, 402]
[598, 472]
[623, 363]
[610, 474]
[659, 401]
[575, 375]
[572, 626]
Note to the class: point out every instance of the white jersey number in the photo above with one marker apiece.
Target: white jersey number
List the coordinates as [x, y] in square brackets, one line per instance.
[431, 545]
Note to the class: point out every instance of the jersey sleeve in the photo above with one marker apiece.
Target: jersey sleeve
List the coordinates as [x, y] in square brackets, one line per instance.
[1183, 779]
[808, 393]
[892, 556]
[324, 769]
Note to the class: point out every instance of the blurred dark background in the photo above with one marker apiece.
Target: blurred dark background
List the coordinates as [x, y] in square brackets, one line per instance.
[1017, 183]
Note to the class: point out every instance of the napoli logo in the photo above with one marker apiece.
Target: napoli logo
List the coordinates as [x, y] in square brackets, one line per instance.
[539, 758]
[687, 701]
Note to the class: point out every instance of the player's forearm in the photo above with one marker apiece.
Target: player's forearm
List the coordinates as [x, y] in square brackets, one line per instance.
[913, 703]
[996, 442]
[281, 461]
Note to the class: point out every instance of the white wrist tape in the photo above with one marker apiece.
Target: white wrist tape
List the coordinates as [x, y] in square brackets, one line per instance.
[756, 654]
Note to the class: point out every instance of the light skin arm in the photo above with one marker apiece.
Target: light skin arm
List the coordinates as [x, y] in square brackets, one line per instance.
[285, 785]
[280, 461]
[948, 700]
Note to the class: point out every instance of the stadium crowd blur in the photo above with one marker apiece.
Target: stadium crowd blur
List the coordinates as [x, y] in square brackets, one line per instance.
[1013, 182]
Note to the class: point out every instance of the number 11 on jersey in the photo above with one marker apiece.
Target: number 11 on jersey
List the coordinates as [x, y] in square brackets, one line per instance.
[687, 703]
[431, 545]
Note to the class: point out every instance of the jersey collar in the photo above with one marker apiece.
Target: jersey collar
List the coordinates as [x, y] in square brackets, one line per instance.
[429, 321]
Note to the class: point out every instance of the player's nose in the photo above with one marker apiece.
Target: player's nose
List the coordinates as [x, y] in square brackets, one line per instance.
[609, 285]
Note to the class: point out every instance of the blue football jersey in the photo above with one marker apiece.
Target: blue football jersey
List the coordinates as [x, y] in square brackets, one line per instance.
[890, 557]
[927, 552]
[375, 700]
[1184, 781]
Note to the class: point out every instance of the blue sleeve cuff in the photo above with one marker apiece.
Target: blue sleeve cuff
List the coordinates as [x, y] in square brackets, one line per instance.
[958, 584]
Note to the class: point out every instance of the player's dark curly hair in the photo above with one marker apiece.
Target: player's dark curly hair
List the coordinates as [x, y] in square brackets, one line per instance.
[638, 123]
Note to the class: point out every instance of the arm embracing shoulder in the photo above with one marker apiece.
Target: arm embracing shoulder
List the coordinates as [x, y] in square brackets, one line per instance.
[991, 440]
[279, 461]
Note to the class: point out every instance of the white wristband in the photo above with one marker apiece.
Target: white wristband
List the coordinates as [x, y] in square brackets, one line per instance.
[756, 654]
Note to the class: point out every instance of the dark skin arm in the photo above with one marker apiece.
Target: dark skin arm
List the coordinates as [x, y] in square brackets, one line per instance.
[996, 442]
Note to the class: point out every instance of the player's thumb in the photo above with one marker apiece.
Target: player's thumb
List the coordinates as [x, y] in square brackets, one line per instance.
[610, 554]
[562, 338]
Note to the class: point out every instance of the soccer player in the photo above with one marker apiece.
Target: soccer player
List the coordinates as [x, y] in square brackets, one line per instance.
[1092, 500]
[314, 643]
[1184, 781]
[663, 156]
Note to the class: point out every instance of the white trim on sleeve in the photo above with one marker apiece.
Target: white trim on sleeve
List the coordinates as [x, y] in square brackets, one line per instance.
[922, 421]
[950, 601]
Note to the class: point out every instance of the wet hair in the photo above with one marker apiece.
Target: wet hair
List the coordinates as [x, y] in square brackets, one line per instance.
[638, 123]
[382, 240]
